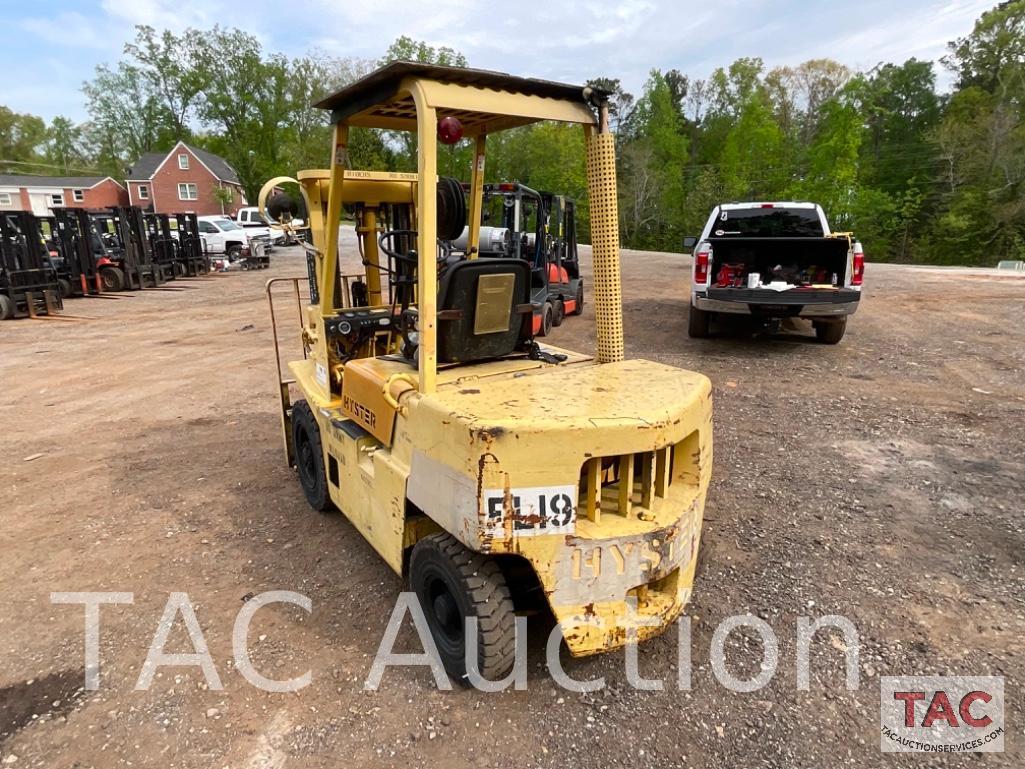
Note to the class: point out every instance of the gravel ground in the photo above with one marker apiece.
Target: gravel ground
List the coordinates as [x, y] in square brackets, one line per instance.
[881, 480]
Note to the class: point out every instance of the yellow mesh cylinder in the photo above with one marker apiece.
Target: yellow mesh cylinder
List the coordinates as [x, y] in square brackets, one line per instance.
[608, 297]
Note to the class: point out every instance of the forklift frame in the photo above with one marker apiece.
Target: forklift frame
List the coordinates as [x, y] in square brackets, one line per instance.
[192, 250]
[72, 230]
[579, 477]
[28, 282]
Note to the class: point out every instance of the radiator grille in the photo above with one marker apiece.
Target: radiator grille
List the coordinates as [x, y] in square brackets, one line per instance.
[631, 485]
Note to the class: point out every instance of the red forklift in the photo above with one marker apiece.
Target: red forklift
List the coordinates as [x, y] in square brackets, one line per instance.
[539, 227]
[128, 261]
[72, 242]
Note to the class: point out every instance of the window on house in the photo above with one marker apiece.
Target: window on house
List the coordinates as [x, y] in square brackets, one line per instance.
[78, 195]
[183, 162]
[5, 198]
[188, 192]
[143, 192]
[57, 199]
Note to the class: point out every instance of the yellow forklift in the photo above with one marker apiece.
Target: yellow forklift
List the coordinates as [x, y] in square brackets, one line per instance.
[476, 462]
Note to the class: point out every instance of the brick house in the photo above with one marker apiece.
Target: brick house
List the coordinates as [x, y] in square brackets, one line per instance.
[184, 180]
[41, 194]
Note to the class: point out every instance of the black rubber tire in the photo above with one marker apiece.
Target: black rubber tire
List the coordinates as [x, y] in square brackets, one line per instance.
[558, 312]
[579, 309]
[698, 323]
[65, 287]
[547, 319]
[6, 307]
[831, 332]
[452, 583]
[309, 457]
[112, 279]
[234, 253]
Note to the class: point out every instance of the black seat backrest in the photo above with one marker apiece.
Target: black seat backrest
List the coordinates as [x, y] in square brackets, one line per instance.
[483, 285]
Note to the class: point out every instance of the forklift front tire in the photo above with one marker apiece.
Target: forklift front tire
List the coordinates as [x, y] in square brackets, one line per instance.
[558, 312]
[452, 583]
[578, 309]
[112, 279]
[547, 319]
[309, 457]
[65, 287]
[6, 307]
[698, 323]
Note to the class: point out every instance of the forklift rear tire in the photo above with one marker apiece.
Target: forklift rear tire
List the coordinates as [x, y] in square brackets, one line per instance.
[558, 312]
[309, 457]
[112, 279]
[831, 332]
[452, 583]
[547, 319]
[6, 307]
[65, 287]
[579, 308]
[698, 323]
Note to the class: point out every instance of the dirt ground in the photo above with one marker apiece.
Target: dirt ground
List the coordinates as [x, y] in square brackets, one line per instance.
[881, 480]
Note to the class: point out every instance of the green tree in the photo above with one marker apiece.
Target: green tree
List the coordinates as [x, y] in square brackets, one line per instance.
[123, 104]
[753, 156]
[21, 138]
[993, 50]
[167, 62]
[407, 49]
[652, 171]
[64, 145]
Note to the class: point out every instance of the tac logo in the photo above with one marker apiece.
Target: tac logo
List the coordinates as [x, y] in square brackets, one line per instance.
[941, 714]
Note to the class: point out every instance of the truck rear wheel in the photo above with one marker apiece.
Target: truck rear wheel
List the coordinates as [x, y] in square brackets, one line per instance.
[309, 457]
[452, 583]
[830, 332]
[698, 323]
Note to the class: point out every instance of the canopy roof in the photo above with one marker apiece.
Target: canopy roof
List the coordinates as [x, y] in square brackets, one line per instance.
[481, 99]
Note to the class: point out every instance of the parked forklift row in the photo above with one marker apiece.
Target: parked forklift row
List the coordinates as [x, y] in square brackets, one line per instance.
[75, 252]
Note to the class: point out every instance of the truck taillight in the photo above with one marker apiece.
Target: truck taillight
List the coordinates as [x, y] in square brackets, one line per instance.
[701, 260]
[858, 268]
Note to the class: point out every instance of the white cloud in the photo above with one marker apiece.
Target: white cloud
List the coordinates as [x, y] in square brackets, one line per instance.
[165, 14]
[67, 29]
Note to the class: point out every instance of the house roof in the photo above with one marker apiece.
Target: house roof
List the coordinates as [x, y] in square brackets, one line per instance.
[63, 182]
[146, 166]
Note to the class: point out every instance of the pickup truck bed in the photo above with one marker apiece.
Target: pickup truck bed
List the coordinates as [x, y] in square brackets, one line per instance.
[763, 255]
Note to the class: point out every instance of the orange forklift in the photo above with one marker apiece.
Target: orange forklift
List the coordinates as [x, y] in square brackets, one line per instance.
[539, 227]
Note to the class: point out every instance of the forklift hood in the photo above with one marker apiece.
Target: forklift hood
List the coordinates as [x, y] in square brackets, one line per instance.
[510, 451]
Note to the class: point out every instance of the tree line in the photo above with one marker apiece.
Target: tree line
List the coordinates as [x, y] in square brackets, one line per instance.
[918, 175]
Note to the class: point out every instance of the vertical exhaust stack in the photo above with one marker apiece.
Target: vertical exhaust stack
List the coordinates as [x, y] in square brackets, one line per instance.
[601, 190]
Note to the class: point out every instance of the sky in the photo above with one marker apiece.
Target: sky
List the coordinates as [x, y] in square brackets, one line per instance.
[52, 46]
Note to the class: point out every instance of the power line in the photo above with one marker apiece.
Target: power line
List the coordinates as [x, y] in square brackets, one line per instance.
[49, 165]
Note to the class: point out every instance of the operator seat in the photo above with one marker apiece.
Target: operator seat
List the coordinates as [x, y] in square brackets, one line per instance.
[484, 309]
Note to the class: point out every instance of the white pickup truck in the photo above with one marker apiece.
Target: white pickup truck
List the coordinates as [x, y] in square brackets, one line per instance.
[772, 261]
[252, 219]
